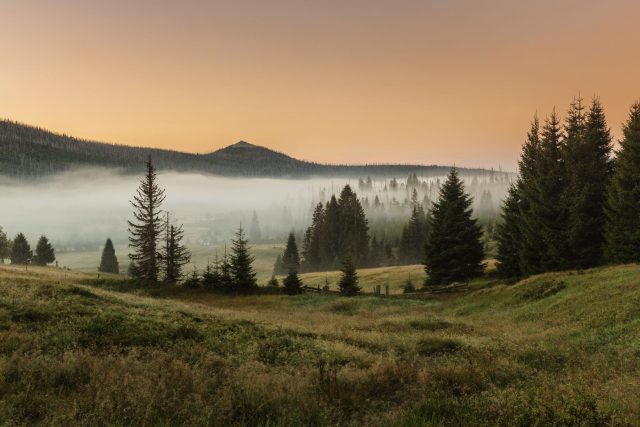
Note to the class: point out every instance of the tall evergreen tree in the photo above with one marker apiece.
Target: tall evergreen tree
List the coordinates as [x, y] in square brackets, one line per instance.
[146, 229]
[454, 247]
[292, 283]
[547, 205]
[291, 257]
[109, 261]
[353, 228]
[244, 276]
[211, 277]
[348, 283]
[531, 242]
[5, 250]
[21, 250]
[175, 255]
[44, 252]
[623, 218]
[414, 234]
[312, 255]
[226, 273]
[589, 168]
[509, 236]
[330, 234]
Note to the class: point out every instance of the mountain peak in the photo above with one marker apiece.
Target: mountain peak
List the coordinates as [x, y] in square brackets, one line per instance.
[241, 144]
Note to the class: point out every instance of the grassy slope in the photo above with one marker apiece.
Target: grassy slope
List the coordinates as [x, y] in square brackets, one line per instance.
[557, 348]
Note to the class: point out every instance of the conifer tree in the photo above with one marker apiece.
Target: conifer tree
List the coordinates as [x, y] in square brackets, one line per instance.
[330, 234]
[509, 236]
[278, 266]
[454, 247]
[414, 234]
[589, 168]
[226, 274]
[44, 252]
[244, 276]
[5, 250]
[290, 257]
[255, 233]
[146, 229]
[353, 228]
[109, 261]
[531, 243]
[21, 250]
[211, 277]
[623, 218]
[273, 282]
[312, 255]
[292, 283]
[175, 255]
[192, 281]
[348, 283]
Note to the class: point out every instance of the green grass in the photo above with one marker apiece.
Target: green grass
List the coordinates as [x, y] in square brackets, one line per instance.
[555, 349]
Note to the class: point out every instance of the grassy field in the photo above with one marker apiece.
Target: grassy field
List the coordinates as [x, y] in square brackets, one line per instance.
[555, 349]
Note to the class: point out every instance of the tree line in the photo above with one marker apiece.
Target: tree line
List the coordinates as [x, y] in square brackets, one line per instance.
[18, 250]
[574, 205]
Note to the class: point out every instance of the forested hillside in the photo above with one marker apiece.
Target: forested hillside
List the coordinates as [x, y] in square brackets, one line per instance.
[27, 152]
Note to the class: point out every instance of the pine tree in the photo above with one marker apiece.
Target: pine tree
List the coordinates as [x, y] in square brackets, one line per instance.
[348, 283]
[623, 219]
[292, 283]
[531, 243]
[244, 276]
[550, 188]
[21, 250]
[146, 230]
[509, 235]
[353, 237]
[273, 282]
[414, 234]
[313, 236]
[290, 257]
[193, 280]
[175, 255]
[454, 247]
[589, 168]
[330, 234]
[211, 278]
[108, 261]
[44, 252]
[226, 274]
[278, 266]
[5, 250]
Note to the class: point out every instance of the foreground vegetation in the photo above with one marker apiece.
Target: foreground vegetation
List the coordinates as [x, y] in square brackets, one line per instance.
[560, 348]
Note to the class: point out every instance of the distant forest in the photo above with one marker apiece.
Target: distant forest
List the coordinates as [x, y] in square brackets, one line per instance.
[30, 152]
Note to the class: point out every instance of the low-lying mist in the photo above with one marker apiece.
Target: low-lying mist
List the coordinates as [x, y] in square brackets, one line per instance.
[78, 210]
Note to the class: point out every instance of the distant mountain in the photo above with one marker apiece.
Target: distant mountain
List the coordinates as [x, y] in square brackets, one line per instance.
[29, 152]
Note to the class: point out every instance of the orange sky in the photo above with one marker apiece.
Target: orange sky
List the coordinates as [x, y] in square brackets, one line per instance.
[448, 82]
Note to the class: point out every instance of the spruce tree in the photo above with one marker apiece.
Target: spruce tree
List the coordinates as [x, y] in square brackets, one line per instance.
[44, 252]
[623, 214]
[353, 237]
[330, 235]
[109, 261]
[292, 283]
[193, 280]
[211, 277]
[454, 247]
[531, 243]
[175, 255]
[146, 229]
[414, 234]
[21, 250]
[589, 168]
[5, 250]
[226, 274]
[278, 266]
[509, 236]
[244, 276]
[348, 283]
[290, 257]
[313, 237]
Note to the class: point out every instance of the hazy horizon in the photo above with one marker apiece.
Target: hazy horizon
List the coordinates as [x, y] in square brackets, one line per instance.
[352, 82]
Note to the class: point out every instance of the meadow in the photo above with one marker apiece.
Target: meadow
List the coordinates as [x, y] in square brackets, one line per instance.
[554, 349]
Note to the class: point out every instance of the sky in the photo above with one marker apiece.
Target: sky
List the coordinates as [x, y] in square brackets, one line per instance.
[349, 81]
